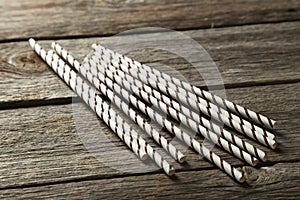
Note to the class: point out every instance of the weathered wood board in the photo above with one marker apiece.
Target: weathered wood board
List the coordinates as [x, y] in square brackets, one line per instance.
[46, 144]
[52, 146]
[280, 181]
[47, 19]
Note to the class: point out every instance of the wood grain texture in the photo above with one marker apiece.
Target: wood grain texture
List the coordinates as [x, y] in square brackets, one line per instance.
[53, 148]
[51, 144]
[280, 181]
[23, 19]
[256, 54]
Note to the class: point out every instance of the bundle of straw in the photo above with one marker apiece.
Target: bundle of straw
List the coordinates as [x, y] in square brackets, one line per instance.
[126, 82]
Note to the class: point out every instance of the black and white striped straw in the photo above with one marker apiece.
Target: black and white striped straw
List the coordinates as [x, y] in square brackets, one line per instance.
[103, 109]
[198, 147]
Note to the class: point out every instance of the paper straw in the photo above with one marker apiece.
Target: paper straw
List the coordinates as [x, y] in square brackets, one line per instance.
[198, 147]
[169, 147]
[208, 108]
[163, 102]
[182, 86]
[90, 96]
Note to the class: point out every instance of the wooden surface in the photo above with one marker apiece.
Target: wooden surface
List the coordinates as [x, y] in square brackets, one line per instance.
[255, 44]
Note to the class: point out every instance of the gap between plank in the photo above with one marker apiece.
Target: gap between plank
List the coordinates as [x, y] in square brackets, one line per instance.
[68, 37]
[37, 103]
[101, 177]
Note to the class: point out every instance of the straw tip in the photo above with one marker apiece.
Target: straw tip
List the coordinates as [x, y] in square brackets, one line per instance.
[171, 171]
[143, 156]
[242, 179]
[182, 159]
[32, 42]
[264, 158]
[254, 162]
[94, 46]
[275, 124]
[274, 145]
[53, 44]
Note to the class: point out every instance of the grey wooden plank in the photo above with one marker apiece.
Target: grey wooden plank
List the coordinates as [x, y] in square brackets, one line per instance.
[280, 181]
[24, 19]
[257, 54]
[49, 144]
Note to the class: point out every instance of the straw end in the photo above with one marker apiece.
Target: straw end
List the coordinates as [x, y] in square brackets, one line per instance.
[182, 159]
[32, 42]
[53, 45]
[274, 145]
[264, 158]
[94, 46]
[143, 156]
[275, 124]
[171, 171]
[254, 162]
[242, 179]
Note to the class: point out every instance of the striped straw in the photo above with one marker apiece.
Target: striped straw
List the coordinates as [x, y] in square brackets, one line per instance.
[90, 96]
[208, 108]
[198, 147]
[142, 123]
[168, 105]
[182, 86]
